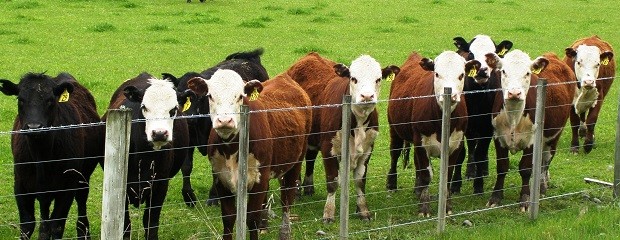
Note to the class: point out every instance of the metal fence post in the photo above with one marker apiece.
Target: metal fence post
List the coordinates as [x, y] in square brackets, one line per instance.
[539, 122]
[617, 155]
[445, 159]
[344, 167]
[242, 194]
[118, 132]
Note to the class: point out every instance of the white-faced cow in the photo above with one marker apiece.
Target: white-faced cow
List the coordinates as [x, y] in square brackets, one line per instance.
[418, 120]
[248, 66]
[592, 61]
[278, 140]
[326, 83]
[479, 99]
[53, 165]
[514, 112]
[158, 144]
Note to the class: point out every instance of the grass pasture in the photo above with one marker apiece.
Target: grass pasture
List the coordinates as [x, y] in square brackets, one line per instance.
[104, 42]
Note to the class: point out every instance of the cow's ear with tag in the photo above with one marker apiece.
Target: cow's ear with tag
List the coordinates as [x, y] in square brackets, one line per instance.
[539, 64]
[63, 91]
[252, 89]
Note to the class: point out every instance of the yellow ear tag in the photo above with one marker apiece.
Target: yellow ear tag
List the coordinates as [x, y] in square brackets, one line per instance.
[390, 77]
[502, 52]
[187, 104]
[537, 71]
[254, 95]
[605, 61]
[472, 72]
[64, 97]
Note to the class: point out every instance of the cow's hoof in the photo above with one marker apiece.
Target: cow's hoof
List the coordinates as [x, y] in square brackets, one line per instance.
[588, 145]
[574, 150]
[328, 220]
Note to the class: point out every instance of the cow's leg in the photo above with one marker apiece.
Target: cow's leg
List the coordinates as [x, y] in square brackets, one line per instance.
[25, 207]
[186, 169]
[470, 169]
[575, 123]
[288, 191]
[588, 142]
[255, 207]
[213, 193]
[62, 205]
[457, 179]
[482, 163]
[150, 219]
[308, 183]
[502, 170]
[422, 180]
[82, 225]
[547, 155]
[228, 209]
[525, 170]
[457, 155]
[45, 203]
[331, 174]
[359, 176]
[396, 147]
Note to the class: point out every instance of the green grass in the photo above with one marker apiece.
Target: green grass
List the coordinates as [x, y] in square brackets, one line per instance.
[103, 43]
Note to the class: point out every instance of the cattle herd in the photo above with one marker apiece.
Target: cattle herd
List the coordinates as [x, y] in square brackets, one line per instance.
[491, 100]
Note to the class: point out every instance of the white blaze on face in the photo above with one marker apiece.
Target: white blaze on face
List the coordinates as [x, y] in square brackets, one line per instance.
[365, 79]
[159, 105]
[587, 64]
[479, 47]
[515, 69]
[449, 72]
[225, 99]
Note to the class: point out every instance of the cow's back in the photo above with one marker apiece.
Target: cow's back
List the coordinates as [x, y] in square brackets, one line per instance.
[312, 72]
[561, 89]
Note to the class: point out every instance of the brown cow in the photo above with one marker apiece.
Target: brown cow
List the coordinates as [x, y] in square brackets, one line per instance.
[326, 83]
[592, 61]
[278, 141]
[418, 120]
[514, 113]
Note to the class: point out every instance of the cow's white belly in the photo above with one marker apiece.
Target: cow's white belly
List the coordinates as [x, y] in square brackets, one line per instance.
[433, 146]
[226, 169]
[514, 138]
[585, 99]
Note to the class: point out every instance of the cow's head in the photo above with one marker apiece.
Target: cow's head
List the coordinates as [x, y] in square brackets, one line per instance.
[226, 92]
[365, 76]
[587, 61]
[516, 70]
[477, 49]
[449, 70]
[159, 104]
[38, 95]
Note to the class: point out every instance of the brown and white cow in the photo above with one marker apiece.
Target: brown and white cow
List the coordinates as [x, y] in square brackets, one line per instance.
[418, 120]
[514, 112]
[326, 83]
[592, 61]
[278, 141]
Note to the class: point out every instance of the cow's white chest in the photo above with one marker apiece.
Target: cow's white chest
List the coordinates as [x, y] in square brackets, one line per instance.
[226, 169]
[360, 145]
[433, 146]
[585, 99]
[517, 137]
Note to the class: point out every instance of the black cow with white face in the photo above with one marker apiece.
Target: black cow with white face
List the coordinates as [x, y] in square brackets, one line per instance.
[479, 104]
[158, 144]
[248, 66]
[53, 165]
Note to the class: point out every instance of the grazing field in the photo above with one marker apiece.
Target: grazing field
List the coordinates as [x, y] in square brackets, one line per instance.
[104, 42]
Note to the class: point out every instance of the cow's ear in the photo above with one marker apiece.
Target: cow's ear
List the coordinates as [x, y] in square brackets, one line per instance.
[133, 94]
[198, 85]
[342, 70]
[472, 67]
[606, 57]
[63, 91]
[171, 78]
[461, 44]
[390, 72]
[539, 65]
[185, 99]
[570, 52]
[493, 60]
[9, 88]
[252, 89]
[502, 48]
[427, 64]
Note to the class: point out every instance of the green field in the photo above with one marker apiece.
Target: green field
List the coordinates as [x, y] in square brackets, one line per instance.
[104, 42]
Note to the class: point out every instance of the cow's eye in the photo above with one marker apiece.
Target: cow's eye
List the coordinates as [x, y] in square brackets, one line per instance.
[503, 72]
[461, 76]
[528, 74]
[240, 98]
[210, 97]
[354, 80]
[436, 75]
[378, 80]
[143, 108]
[173, 112]
[578, 63]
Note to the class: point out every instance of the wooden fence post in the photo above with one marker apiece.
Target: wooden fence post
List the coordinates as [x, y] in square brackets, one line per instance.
[445, 159]
[242, 193]
[617, 155]
[344, 167]
[539, 122]
[118, 132]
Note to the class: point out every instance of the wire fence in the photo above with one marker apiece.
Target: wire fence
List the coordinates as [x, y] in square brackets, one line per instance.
[406, 208]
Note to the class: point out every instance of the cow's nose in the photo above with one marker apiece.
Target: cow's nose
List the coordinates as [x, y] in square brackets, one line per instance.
[455, 97]
[226, 122]
[33, 126]
[160, 135]
[482, 73]
[588, 83]
[367, 97]
[514, 94]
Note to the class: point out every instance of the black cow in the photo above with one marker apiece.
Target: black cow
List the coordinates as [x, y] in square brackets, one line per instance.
[248, 66]
[158, 144]
[53, 165]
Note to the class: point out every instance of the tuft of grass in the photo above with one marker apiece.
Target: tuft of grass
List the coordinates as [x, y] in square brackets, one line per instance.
[103, 27]
[310, 48]
[253, 23]
[321, 20]
[7, 32]
[273, 8]
[511, 3]
[203, 19]
[265, 19]
[438, 2]
[130, 5]
[521, 29]
[169, 40]
[478, 18]
[26, 5]
[408, 20]
[23, 40]
[22, 17]
[158, 28]
[299, 11]
[385, 30]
